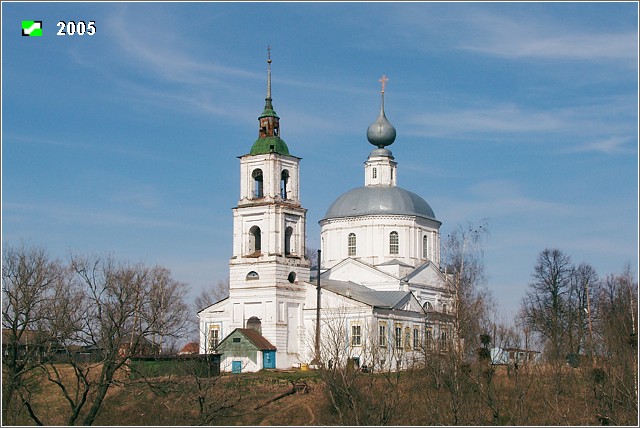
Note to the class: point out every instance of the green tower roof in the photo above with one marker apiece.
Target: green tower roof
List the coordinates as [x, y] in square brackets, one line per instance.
[268, 112]
[269, 145]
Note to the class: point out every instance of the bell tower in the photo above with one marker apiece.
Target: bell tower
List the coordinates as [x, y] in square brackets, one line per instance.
[268, 265]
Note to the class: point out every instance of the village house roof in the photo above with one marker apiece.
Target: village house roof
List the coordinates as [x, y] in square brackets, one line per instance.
[255, 338]
[190, 348]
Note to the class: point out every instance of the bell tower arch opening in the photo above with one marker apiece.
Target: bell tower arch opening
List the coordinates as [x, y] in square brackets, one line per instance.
[255, 240]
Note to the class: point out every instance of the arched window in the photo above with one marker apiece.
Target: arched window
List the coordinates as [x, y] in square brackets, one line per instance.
[393, 243]
[288, 233]
[291, 277]
[254, 324]
[258, 191]
[284, 182]
[254, 240]
[425, 247]
[253, 275]
[352, 244]
[427, 306]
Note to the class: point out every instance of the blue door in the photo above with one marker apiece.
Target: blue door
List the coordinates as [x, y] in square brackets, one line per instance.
[269, 359]
[236, 366]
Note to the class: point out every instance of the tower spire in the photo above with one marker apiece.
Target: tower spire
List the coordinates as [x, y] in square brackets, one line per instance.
[269, 140]
[268, 101]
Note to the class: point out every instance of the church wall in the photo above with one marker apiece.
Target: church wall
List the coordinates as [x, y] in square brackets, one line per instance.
[217, 316]
[346, 312]
[372, 239]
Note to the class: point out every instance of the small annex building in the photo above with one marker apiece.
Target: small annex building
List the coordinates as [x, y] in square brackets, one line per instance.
[246, 350]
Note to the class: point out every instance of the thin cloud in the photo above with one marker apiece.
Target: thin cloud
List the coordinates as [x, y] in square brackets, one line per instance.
[604, 126]
[505, 118]
[499, 200]
[138, 195]
[510, 34]
[513, 40]
[66, 214]
[165, 56]
[75, 144]
[611, 145]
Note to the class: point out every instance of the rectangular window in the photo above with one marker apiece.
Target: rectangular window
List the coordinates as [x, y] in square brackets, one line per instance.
[214, 337]
[356, 335]
[382, 334]
[443, 340]
[416, 338]
[375, 173]
[428, 337]
[425, 247]
[352, 244]
[407, 338]
[398, 337]
[393, 243]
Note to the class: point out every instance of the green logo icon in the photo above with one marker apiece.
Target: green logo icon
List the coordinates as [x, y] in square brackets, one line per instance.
[32, 28]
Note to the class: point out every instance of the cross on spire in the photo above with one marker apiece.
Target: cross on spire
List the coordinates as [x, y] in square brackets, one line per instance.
[269, 54]
[384, 79]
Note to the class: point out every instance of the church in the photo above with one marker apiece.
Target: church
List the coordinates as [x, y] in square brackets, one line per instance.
[379, 299]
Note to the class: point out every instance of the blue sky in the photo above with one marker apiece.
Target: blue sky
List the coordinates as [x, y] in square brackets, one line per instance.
[126, 142]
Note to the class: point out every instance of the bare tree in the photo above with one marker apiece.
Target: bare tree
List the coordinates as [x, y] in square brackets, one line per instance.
[584, 283]
[615, 379]
[463, 260]
[129, 310]
[115, 310]
[355, 393]
[166, 313]
[311, 254]
[30, 280]
[212, 295]
[545, 306]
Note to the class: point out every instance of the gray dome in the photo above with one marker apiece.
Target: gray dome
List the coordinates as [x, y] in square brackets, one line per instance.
[383, 200]
[381, 133]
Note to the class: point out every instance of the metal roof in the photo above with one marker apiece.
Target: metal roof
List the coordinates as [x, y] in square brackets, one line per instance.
[367, 200]
[258, 340]
[379, 299]
[269, 145]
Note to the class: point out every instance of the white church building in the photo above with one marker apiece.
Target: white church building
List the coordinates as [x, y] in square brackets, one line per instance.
[383, 300]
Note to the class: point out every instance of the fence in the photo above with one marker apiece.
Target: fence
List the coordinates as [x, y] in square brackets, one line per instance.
[201, 365]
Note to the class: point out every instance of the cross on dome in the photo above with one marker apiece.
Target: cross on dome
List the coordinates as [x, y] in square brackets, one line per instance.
[381, 133]
[384, 79]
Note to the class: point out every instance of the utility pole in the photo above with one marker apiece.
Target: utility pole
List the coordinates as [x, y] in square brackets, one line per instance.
[317, 358]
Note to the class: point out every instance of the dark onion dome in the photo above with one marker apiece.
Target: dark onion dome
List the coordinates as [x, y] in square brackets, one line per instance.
[379, 200]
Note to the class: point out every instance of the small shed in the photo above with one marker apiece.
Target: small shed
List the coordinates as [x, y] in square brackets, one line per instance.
[513, 356]
[246, 350]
